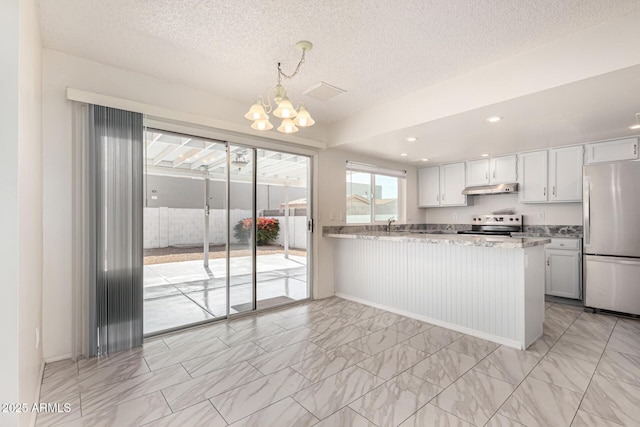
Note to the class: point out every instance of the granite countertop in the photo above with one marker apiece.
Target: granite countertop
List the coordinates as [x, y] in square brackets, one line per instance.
[445, 239]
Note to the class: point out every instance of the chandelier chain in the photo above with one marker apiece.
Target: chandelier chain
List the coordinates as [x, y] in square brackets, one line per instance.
[289, 76]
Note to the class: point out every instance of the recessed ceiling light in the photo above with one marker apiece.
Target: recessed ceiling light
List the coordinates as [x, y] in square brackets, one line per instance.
[425, 160]
[634, 127]
[412, 138]
[494, 119]
[484, 155]
[404, 154]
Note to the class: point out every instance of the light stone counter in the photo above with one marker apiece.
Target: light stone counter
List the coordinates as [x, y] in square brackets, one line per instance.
[446, 239]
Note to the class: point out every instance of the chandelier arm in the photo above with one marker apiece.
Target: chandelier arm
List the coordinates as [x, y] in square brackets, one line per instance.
[266, 105]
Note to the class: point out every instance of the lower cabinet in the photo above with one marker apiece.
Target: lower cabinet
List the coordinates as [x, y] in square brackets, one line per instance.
[564, 268]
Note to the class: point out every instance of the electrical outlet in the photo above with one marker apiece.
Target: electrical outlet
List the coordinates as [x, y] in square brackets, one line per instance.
[541, 215]
[455, 215]
[37, 337]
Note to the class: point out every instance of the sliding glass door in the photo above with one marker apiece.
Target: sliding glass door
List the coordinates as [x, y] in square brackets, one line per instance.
[226, 230]
[283, 210]
[184, 238]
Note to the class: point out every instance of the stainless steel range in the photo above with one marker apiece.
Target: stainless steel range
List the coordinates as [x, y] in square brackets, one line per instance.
[495, 225]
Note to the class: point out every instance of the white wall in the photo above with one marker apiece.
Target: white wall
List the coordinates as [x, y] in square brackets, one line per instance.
[554, 213]
[9, 18]
[62, 71]
[30, 205]
[332, 193]
[21, 216]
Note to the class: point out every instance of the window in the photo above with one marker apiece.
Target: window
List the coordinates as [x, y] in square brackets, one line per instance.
[373, 194]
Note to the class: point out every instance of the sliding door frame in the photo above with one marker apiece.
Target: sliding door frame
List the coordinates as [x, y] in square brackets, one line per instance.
[253, 144]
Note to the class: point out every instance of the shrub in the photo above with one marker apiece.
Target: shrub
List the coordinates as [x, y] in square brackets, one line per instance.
[268, 230]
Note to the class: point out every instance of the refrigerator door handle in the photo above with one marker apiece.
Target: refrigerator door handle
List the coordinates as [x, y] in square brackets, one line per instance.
[586, 184]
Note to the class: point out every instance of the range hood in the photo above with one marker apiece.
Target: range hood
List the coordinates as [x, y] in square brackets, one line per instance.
[491, 189]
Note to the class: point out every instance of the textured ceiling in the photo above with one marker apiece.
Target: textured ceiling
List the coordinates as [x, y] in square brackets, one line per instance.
[376, 50]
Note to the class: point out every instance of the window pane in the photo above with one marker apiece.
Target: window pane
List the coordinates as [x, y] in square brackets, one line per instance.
[386, 197]
[358, 197]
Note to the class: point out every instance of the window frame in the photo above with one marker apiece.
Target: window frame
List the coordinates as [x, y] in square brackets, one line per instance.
[375, 171]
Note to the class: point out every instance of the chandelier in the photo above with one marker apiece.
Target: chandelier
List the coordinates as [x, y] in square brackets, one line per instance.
[292, 118]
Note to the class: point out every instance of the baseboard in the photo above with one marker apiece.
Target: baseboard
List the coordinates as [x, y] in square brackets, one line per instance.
[452, 326]
[57, 358]
[36, 398]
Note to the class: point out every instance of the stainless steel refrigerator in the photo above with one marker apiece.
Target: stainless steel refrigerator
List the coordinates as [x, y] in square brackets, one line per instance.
[611, 207]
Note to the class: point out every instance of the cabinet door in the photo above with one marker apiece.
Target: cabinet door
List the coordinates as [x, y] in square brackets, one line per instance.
[532, 171]
[429, 187]
[503, 169]
[477, 172]
[563, 273]
[452, 182]
[611, 151]
[565, 174]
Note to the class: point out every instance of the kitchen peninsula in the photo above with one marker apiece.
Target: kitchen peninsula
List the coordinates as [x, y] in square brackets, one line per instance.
[489, 287]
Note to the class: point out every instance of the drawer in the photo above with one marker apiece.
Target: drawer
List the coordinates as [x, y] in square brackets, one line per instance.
[569, 244]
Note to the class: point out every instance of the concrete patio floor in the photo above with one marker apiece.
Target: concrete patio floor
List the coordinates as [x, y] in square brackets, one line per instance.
[181, 293]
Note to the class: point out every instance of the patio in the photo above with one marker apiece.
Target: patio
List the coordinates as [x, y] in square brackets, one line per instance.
[182, 293]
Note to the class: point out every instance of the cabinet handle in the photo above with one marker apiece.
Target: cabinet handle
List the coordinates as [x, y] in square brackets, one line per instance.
[544, 191]
[437, 197]
[635, 149]
[442, 196]
[494, 173]
[554, 190]
[548, 264]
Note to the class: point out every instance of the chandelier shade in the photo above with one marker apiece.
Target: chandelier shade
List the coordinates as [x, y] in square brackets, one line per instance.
[287, 126]
[262, 125]
[303, 119]
[256, 112]
[284, 108]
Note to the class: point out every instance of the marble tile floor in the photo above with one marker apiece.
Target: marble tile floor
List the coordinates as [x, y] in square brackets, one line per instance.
[333, 362]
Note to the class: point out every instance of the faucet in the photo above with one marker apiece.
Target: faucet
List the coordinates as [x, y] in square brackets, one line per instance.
[389, 222]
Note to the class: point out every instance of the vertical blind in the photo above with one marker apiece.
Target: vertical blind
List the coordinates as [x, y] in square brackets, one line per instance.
[115, 288]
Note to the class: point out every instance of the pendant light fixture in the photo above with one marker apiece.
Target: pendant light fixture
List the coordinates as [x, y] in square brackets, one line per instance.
[292, 117]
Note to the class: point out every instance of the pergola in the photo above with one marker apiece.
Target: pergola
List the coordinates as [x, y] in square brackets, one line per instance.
[170, 154]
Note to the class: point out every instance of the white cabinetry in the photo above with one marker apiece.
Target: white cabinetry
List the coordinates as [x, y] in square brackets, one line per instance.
[477, 172]
[497, 170]
[452, 182]
[533, 177]
[502, 170]
[429, 187]
[553, 175]
[564, 272]
[442, 186]
[611, 151]
[565, 174]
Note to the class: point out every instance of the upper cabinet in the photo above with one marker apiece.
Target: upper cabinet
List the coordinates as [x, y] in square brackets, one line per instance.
[532, 170]
[565, 174]
[502, 170]
[429, 187]
[611, 151]
[442, 186]
[497, 170]
[477, 172]
[551, 175]
[452, 182]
